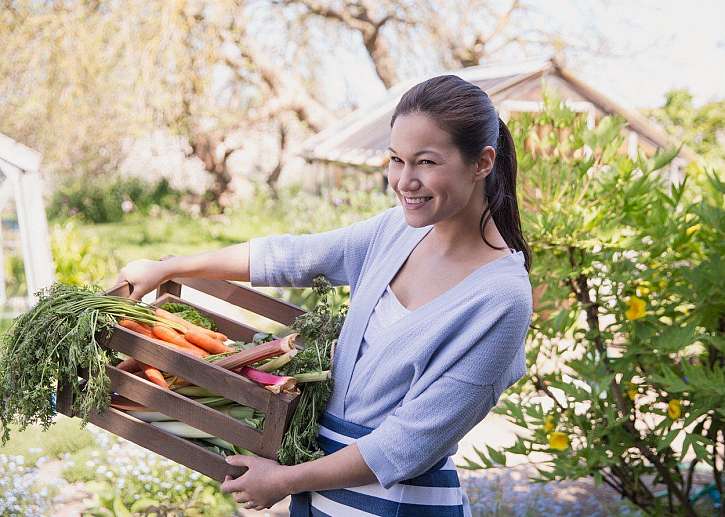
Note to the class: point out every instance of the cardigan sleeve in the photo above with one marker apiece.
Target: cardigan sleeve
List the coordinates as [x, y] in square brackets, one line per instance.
[294, 260]
[420, 431]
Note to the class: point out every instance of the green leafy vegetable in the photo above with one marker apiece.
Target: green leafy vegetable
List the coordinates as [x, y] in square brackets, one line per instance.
[49, 343]
[190, 314]
[319, 328]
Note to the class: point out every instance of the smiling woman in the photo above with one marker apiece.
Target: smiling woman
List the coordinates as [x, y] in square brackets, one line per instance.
[439, 311]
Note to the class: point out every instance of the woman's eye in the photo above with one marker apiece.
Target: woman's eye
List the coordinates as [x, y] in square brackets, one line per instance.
[395, 159]
[427, 162]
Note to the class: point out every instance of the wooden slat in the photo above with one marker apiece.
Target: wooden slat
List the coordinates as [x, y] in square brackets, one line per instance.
[277, 416]
[122, 289]
[166, 444]
[63, 398]
[198, 372]
[187, 410]
[233, 329]
[246, 298]
[170, 287]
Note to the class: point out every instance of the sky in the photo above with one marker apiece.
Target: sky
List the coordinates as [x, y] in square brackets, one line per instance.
[652, 47]
[671, 45]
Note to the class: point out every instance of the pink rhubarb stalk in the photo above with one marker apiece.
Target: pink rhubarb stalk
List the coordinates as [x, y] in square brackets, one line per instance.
[258, 353]
[274, 383]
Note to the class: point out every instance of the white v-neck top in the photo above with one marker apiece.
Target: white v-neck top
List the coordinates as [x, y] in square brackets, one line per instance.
[387, 311]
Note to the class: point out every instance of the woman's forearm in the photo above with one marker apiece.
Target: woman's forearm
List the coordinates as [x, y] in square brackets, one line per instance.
[342, 469]
[229, 263]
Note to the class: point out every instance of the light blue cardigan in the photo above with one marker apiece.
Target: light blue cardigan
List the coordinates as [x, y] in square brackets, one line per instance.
[441, 368]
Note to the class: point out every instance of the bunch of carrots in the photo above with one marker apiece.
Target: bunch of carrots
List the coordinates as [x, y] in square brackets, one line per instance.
[211, 345]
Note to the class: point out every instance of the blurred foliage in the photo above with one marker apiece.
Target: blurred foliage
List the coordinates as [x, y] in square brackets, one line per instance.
[80, 259]
[129, 480]
[15, 284]
[107, 247]
[701, 128]
[66, 436]
[109, 200]
[626, 348]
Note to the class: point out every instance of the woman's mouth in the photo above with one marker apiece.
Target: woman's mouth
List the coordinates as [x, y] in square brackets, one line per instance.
[414, 203]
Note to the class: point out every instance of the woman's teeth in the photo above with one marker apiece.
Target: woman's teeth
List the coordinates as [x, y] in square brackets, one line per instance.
[417, 199]
[412, 203]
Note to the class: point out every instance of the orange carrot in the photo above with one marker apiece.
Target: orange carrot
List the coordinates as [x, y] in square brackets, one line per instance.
[129, 365]
[136, 327]
[211, 345]
[171, 336]
[154, 375]
[161, 313]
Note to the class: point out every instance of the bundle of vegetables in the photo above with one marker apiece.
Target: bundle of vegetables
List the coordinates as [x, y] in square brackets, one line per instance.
[319, 328]
[49, 343]
[278, 365]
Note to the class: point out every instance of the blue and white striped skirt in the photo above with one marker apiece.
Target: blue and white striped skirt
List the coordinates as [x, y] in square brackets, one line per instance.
[436, 493]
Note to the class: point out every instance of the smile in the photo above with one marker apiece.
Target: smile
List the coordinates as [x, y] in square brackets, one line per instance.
[413, 203]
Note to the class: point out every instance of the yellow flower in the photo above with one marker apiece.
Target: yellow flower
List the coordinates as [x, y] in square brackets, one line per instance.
[558, 441]
[663, 283]
[692, 229]
[642, 290]
[632, 391]
[635, 308]
[674, 409]
[549, 424]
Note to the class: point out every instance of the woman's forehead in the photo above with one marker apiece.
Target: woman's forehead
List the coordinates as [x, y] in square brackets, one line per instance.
[416, 131]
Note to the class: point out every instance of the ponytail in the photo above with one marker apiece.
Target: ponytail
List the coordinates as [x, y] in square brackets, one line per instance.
[500, 188]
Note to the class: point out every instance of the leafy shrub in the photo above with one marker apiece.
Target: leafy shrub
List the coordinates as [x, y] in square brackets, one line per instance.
[65, 436]
[15, 283]
[126, 478]
[80, 260]
[626, 348]
[108, 201]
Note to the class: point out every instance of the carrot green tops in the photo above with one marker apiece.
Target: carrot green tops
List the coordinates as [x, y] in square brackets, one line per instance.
[435, 372]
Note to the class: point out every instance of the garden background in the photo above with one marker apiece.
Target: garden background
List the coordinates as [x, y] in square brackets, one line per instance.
[178, 127]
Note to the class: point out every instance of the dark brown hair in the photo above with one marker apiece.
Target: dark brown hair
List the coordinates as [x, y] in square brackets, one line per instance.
[466, 112]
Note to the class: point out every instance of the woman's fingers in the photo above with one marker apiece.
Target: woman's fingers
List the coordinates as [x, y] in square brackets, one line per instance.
[241, 497]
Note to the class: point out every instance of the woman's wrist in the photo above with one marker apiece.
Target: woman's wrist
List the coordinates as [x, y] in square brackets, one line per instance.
[292, 480]
[169, 268]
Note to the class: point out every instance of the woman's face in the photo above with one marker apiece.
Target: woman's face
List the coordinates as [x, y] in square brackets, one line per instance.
[428, 174]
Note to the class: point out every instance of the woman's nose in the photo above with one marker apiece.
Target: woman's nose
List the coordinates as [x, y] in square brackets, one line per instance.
[408, 181]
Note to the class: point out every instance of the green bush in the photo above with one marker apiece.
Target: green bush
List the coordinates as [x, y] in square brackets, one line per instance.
[15, 283]
[80, 259]
[626, 348]
[107, 201]
[65, 436]
[126, 478]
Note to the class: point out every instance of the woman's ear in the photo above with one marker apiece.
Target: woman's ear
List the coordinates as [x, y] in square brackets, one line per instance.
[484, 164]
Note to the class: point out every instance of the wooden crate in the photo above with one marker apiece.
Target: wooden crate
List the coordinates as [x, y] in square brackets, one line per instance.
[278, 408]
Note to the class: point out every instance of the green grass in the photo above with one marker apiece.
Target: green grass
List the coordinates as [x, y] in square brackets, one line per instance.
[166, 233]
[65, 435]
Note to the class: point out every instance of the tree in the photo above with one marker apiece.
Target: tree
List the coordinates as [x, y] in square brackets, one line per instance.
[626, 346]
[81, 79]
[700, 128]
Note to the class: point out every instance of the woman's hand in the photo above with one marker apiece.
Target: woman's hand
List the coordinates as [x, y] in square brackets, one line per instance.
[143, 275]
[262, 485]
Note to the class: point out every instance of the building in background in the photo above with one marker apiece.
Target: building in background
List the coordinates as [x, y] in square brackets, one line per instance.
[357, 142]
[24, 242]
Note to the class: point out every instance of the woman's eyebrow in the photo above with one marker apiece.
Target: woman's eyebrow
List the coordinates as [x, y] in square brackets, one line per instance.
[423, 151]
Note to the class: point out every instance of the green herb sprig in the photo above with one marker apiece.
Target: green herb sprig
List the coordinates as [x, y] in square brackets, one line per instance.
[48, 345]
[319, 329]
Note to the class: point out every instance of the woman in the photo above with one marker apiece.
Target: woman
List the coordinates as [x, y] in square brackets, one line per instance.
[439, 311]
